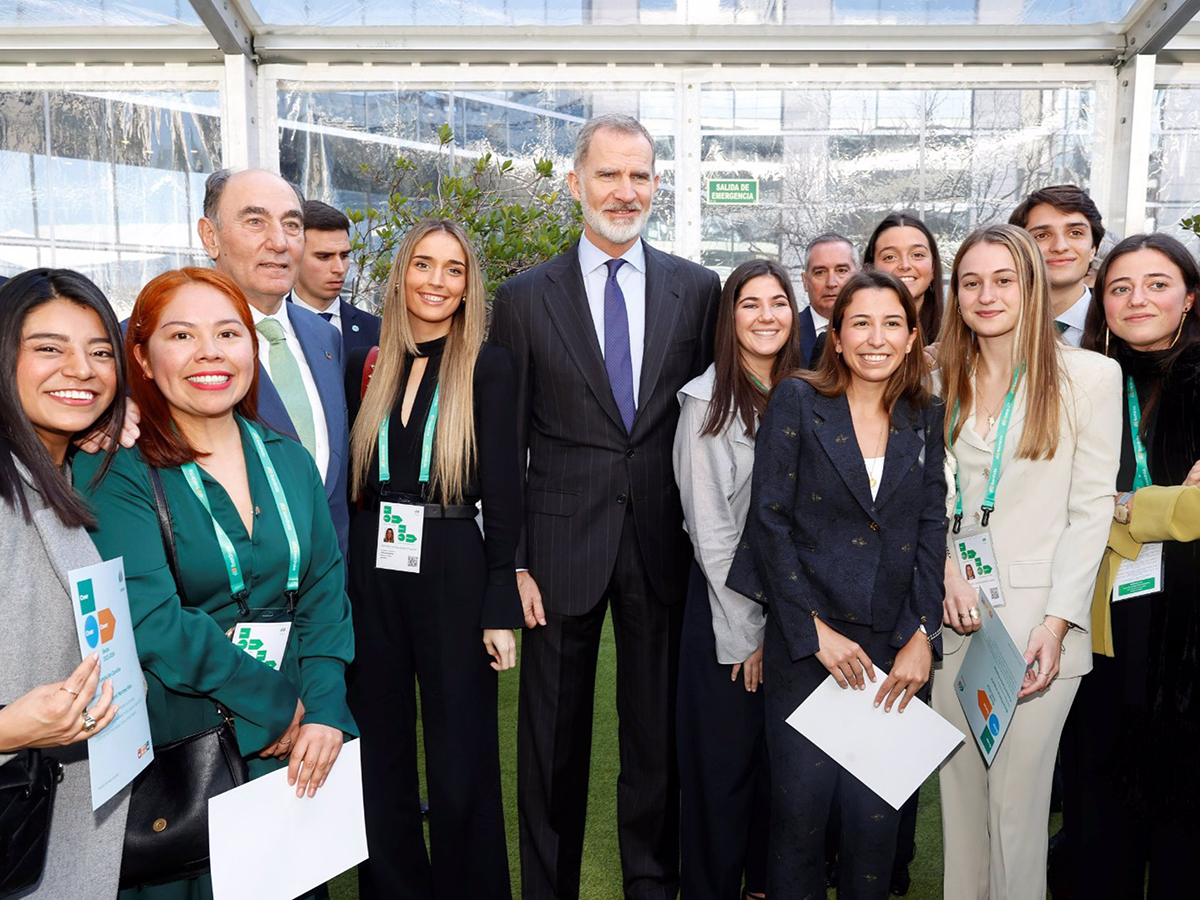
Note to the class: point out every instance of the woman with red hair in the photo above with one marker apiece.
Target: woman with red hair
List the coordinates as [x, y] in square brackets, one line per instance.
[254, 543]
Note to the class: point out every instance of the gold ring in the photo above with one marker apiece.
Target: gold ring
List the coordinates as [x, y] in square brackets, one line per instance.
[285, 740]
[69, 691]
[975, 613]
[89, 724]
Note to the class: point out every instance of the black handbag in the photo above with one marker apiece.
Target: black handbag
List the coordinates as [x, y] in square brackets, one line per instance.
[27, 785]
[166, 833]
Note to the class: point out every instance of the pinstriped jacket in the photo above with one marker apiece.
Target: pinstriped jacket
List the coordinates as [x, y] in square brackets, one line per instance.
[585, 470]
[816, 543]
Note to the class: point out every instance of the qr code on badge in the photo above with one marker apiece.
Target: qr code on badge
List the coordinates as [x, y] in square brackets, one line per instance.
[995, 592]
[414, 561]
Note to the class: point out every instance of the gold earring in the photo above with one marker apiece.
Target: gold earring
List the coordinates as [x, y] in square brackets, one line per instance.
[1179, 330]
[1107, 334]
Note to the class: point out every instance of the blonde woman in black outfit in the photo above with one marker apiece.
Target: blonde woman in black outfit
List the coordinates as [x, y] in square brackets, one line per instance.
[433, 435]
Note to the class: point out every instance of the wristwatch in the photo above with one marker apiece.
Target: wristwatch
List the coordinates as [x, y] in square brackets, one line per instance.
[1121, 510]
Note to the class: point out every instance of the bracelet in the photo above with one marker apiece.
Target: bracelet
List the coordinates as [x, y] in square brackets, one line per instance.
[1062, 647]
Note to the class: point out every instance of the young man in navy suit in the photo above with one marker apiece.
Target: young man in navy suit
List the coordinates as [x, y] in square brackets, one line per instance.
[253, 230]
[322, 274]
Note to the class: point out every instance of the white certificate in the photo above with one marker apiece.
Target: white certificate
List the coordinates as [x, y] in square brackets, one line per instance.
[1140, 576]
[892, 753]
[265, 843]
[123, 749]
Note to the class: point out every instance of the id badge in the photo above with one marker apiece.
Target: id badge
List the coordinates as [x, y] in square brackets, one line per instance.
[264, 634]
[1141, 576]
[398, 544]
[976, 560]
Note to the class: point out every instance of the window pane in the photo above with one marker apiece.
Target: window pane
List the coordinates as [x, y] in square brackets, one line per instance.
[841, 158]
[1173, 191]
[106, 13]
[106, 183]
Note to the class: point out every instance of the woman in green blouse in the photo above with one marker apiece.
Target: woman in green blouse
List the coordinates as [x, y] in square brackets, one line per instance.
[193, 363]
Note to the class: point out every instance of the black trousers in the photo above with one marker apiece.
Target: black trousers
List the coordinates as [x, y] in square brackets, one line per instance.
[724, 776]
[426, 627]
[804, 780]
[1108, 845]
[554, 738]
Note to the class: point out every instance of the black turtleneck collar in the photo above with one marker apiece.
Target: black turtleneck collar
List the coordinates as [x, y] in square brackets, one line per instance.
[432, 348]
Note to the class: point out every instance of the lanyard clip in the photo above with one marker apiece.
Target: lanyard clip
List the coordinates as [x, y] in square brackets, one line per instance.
[290, 597]
[240, 599]
[957, 522]
[986, 515]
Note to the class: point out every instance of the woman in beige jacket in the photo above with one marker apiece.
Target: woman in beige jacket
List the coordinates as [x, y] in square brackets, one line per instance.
[1002, 362]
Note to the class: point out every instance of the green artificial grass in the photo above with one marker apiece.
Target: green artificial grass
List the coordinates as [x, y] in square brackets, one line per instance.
[601, 874]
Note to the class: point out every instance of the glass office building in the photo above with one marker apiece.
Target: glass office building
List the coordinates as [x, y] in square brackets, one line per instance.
[113, 112]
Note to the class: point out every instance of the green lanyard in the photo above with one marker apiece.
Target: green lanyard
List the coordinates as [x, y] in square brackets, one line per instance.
[237, 586]
[989, 499]
[758, 384]
[1142, 479]
[385, 470]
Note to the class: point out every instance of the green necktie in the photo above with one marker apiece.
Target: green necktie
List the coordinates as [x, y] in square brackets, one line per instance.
[285, 375]
[1061, 326]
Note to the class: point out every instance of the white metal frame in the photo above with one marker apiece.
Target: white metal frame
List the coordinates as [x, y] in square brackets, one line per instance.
[251, 58]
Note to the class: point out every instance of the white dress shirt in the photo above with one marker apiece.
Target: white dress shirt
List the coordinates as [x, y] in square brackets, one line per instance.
[334, 312]
[1074, 318]
[820, 323]
[632, 279]
[310, 385]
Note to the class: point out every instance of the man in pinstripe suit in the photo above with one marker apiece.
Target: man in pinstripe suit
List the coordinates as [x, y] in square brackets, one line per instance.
[603, 336]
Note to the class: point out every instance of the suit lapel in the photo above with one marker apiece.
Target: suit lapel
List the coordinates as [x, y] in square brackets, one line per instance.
[808, 336]
[662, 311]
[567, 305]
[270, 405]
[836, 435]
[329, 389]
[903, 448]
[67, 548]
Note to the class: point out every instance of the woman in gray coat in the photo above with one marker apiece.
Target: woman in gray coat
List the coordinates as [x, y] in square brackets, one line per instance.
[61, 376]
[721, 748]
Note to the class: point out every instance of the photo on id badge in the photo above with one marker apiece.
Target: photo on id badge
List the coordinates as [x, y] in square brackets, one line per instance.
[398, 546]
[977, 562]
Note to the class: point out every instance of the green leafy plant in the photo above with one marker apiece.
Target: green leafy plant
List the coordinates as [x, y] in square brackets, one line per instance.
[1191, 223]
[515, 215]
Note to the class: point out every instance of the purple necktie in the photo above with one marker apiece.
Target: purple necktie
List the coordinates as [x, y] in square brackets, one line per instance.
[616, 345]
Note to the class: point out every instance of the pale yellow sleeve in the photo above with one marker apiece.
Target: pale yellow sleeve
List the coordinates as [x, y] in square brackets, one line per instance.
[1166, 514]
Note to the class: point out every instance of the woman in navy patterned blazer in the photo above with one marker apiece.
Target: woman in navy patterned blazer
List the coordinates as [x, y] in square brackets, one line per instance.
[845, 542]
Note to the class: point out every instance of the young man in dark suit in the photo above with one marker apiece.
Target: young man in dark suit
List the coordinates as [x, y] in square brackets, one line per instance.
[322, 274]
[253, 230]
[603, 337]
[829, 259]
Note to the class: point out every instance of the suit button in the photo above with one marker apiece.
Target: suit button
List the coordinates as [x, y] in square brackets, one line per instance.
[874, 526]
[621, 498]
[629, 454]
[923, 620]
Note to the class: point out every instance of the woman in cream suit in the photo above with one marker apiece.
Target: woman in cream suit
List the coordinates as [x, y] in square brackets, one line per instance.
[1053, 506]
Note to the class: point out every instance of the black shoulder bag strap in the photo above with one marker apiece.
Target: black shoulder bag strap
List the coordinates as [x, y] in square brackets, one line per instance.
[165, 527]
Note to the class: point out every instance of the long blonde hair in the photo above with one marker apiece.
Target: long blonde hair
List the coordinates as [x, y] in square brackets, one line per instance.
[1035, 350]
[454, 446]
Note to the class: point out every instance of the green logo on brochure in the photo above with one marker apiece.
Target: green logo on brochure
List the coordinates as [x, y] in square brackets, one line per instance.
[87, 597]
[985, 738]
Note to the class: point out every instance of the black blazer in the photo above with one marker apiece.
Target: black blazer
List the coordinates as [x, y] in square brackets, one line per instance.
[360, 329]
[815, 543]
[808, 337]
[584, 468]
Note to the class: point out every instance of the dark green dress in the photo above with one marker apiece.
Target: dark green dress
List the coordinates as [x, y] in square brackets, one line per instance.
[187, 658]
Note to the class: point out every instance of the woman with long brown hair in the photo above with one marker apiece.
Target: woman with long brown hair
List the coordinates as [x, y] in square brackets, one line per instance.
[1130, 783]
[723, 772]
[903, 245]
[843, 544]
[433, 435]
[1034, 425]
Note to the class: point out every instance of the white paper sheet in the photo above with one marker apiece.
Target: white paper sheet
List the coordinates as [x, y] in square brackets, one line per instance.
[892, 753]
[267, 844]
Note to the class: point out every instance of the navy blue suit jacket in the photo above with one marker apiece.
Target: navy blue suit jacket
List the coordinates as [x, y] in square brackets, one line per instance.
[816, 543]
[360, 329]
[322, 346]
[808, 337]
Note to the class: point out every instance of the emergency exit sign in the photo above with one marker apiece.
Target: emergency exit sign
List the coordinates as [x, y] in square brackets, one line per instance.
[733, 190]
